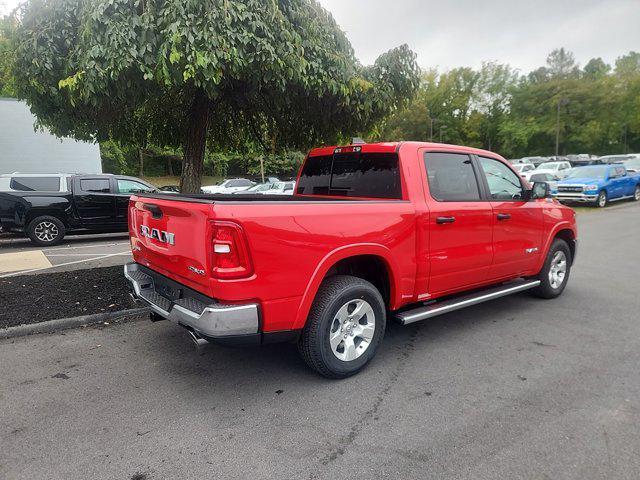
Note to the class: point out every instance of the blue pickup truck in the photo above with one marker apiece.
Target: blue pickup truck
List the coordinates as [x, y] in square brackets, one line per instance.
[598, 185]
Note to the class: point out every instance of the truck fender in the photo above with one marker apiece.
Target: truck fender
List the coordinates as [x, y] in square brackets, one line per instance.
[552, 235]
[334, 257]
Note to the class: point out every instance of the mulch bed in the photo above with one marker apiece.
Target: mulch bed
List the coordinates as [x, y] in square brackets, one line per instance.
[49, 296]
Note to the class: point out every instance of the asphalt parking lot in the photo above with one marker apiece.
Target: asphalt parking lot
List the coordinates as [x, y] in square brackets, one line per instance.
[516, 388]
[19, 256]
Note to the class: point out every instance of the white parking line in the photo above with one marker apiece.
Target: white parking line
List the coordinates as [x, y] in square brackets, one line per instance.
[78, 254]
[13, 274]
[99, 245]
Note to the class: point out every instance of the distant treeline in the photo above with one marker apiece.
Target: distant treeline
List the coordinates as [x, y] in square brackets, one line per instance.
[594, 109]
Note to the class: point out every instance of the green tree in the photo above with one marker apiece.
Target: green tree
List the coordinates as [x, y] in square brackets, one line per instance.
[7, 29]
[179, 73]
[562, 64]
[596, 68]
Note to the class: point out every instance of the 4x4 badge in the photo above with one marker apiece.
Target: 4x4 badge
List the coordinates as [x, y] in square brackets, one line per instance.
[199, 271]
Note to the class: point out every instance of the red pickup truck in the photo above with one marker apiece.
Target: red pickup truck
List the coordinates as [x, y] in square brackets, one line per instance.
[374, 231]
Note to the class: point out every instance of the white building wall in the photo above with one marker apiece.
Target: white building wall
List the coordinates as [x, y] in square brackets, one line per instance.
[27, 151]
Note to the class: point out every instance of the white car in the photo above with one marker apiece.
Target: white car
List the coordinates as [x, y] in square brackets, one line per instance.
[282, 188]
[523, 168]
[559, 170]
[229, 186]
[270, 188]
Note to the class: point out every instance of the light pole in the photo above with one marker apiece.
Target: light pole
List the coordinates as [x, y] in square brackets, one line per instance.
[431, 122]
[561, 102]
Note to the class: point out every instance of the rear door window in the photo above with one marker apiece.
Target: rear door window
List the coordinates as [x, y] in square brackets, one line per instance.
[94, 185]
[352, 174]
[35, 184]
[451, 177]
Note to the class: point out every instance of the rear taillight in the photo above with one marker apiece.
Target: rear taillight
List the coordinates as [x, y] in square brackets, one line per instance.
[229, 251]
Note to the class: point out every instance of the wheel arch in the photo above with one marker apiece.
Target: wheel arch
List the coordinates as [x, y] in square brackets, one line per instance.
[367, 261]
[566, 232]
[35, 213]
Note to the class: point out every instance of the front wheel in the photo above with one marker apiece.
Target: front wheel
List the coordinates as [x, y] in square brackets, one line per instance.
[46, 231]
[636, 194]
[345, 327]
[602, 199]
[555, 272]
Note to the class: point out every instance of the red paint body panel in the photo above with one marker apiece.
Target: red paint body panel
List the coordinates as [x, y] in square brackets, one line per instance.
[292, 245]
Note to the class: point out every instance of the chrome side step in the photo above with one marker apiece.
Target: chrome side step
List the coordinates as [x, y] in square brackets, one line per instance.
[456, 303]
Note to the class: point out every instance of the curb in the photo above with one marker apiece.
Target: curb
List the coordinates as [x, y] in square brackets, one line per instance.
[60, 324]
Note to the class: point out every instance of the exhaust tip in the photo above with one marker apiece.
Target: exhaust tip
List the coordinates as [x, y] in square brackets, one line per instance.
[197, 340]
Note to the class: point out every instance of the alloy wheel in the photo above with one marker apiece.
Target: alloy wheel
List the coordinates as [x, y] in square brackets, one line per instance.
[602, 199]
[46, 231]
[352, 330]
[558, 270]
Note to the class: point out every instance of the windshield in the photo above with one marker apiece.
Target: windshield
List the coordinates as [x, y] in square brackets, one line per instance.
[548, 166]
[633, 163]
[614, 158]
[587, 172]
[519, 168]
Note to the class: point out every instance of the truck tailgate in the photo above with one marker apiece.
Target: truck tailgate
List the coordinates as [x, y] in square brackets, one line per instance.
[170, 237]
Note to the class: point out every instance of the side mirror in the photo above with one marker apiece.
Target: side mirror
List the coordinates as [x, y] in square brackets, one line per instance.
[540, 190]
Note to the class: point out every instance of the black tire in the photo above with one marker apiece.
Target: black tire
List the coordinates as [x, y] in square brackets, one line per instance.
[636, 193]
[547, 289]
[602, 200]
[46, 231]
[314, 344]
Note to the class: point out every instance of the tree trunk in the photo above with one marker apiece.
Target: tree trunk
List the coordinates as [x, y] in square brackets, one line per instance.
[141, 163]
[169, 167]
[195, 144]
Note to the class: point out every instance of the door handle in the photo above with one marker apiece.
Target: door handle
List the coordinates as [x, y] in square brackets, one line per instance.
[441, 220]
[504, 216]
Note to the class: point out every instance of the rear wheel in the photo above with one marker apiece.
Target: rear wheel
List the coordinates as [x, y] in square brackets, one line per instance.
[344, 328]
[602, 199]
[555, 272]
[46, 231]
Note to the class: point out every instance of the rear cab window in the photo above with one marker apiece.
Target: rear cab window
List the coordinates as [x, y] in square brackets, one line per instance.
[35, 184]
[352, 174]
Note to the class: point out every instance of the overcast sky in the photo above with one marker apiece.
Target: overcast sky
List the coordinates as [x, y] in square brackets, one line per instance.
[452, 33]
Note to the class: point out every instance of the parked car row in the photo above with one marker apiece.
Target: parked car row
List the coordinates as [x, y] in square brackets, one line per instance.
[240, 186]
[597, 183]
[46, 207]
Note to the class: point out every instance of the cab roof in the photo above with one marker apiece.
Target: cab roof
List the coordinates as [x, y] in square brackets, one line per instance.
[391, 147]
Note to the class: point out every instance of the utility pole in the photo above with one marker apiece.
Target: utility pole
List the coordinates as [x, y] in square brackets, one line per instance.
[442, 127]
[561, 101]
[431, 122]
[262, 167]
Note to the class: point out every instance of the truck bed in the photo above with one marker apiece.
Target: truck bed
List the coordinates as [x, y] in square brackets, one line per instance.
[235, 198]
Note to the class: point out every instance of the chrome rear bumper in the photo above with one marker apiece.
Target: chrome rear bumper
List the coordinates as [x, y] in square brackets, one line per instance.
[212, 320]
